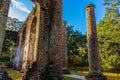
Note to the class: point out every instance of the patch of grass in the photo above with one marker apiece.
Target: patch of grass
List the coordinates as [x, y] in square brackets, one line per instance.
[108, 74]
[112, 78]
[108, 78]
[68, 78]
[13, 74]
[84, 71]
[111, 74]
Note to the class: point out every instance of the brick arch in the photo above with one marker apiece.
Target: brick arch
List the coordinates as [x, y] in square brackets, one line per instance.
[32, 41]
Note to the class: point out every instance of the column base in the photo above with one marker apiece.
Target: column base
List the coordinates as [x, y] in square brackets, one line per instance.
[96, 77]
[54, 72]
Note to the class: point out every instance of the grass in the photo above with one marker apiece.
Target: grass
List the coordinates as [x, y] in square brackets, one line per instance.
[68, 78]
[108, 78]
[110, 75]
[85, 72]
[112, 78]
[14, 74]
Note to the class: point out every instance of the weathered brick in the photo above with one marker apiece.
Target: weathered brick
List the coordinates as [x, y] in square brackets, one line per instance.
[4, 8]
[94, 65]
[41, 41]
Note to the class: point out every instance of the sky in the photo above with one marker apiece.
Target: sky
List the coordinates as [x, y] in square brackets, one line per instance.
[73, 11]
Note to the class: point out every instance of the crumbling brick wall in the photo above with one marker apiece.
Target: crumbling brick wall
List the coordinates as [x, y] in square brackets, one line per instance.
[40, 42]
[49, 51]
[27, 42]
[50, 40]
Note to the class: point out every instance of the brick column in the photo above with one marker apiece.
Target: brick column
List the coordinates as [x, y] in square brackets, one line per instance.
[41, 53]
[4, 8]
[49, 49]
[93, 54]
[57, 22]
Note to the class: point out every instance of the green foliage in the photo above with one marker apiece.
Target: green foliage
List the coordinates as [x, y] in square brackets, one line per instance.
[112, 2]
[15, 75]
[109, 38]
[13, 24]
[7, 50]
[7, 46]
[76, 47]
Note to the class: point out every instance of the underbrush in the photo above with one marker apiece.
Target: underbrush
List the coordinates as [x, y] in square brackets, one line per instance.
[14, 74]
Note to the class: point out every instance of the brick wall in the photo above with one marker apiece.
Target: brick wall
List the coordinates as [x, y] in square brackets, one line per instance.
[49, 51]
[41, 42]
[26, 45]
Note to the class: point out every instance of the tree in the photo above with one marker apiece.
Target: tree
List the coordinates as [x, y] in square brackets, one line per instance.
[13, 24]
[112, 2]
[76, 47]
[108, 36]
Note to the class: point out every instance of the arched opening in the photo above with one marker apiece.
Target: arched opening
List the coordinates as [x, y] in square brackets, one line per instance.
[19, 10]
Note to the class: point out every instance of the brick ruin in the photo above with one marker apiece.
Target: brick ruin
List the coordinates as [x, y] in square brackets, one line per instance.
[41, 43]
[93, 54]
[4, 8]
[40, 52]
[92, 41]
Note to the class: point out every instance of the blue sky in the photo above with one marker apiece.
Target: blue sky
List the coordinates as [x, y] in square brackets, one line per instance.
[73, 11]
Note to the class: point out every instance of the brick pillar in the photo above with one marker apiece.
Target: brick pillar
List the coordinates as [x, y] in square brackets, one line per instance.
[93, 54]
[41, 53]
[57, 23]
[4, 8]
[49, 50]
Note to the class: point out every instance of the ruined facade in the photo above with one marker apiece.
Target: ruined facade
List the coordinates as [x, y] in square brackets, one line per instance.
[42, 43]
[26, 46]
